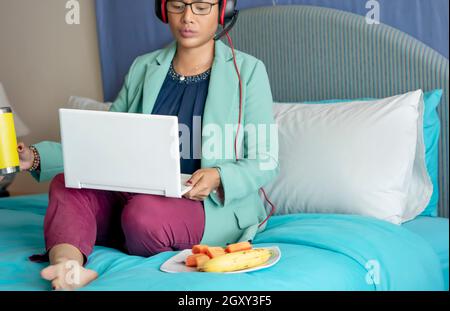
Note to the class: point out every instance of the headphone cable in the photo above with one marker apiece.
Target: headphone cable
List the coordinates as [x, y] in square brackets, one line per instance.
[272, 211]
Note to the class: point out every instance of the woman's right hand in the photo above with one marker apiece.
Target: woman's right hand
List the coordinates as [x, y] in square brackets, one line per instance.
[26, 158]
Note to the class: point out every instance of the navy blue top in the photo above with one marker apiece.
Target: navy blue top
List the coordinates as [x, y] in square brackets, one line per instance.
[185, 97]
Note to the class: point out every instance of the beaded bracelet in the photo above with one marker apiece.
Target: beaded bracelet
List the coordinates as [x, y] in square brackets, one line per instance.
[36, 159]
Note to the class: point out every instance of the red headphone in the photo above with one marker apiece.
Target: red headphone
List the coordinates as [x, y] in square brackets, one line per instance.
[226, 10]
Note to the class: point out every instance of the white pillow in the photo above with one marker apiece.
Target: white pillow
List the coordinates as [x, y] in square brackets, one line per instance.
[363, 158]
[76, 102]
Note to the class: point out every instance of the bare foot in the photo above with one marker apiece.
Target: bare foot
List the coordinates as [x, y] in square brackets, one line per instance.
[68, 275]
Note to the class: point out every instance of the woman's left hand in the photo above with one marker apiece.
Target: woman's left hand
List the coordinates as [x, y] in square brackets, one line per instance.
[203, 182]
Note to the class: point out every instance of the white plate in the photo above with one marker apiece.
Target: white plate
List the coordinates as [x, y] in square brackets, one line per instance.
[176, 263]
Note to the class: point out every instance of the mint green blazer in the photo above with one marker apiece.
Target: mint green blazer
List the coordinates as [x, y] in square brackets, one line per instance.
[237, 217]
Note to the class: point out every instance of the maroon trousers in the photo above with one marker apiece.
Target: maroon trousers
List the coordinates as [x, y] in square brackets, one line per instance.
[138, 224]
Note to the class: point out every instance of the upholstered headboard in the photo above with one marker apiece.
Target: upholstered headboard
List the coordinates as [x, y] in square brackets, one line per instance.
[316, 53]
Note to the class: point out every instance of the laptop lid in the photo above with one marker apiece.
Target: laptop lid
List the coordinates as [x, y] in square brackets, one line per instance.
[116, 151]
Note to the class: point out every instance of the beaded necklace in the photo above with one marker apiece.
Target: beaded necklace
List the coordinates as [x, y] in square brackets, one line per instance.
[188, 79]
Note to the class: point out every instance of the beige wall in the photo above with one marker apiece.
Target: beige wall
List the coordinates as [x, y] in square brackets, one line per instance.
[43, 61]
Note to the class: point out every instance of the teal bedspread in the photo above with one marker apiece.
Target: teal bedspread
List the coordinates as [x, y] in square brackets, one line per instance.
[319, 252]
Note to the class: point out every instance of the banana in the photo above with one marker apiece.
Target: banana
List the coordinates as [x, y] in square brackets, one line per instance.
[237, 260]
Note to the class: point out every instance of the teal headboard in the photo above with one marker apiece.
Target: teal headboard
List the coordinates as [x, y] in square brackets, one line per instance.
[315, 53]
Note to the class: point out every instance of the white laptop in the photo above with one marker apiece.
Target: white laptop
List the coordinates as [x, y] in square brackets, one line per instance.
[127, 152]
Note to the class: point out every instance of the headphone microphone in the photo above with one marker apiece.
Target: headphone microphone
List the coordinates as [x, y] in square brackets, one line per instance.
[228, 28]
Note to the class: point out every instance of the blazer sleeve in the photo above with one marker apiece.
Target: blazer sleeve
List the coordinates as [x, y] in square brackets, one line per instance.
[52, 164]
[260, 162]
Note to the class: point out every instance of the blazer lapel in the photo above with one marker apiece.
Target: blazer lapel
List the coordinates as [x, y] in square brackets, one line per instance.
[222, 103]
[155, 76]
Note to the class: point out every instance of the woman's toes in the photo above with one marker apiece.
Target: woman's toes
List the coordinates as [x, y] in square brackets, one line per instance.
[49, 273]
[68, 276]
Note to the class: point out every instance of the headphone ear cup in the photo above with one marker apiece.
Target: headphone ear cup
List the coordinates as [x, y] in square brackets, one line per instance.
[226, 10]
[161, 10]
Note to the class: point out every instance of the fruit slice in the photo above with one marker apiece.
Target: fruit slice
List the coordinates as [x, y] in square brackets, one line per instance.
[199, 249]
[214, 252]
[201, 260]
[196, 259]
[237, 261]
[237, 247]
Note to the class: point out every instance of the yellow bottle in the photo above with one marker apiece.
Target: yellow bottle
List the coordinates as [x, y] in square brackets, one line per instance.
[9, 156]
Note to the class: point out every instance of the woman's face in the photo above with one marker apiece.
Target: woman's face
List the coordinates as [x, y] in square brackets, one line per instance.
[191, 30]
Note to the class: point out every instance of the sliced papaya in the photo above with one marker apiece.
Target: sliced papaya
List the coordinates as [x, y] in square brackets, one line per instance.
[196, 259]
[199, 249]
[201, 260]
[214, 252]
[237, 247]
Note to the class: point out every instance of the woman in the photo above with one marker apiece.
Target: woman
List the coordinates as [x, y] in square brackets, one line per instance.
[194, 77]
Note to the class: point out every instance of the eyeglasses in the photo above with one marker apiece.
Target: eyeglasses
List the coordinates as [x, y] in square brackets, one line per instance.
[198, 8]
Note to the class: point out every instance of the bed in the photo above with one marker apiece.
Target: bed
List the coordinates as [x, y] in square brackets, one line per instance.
[319, 252]
[322, 54]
